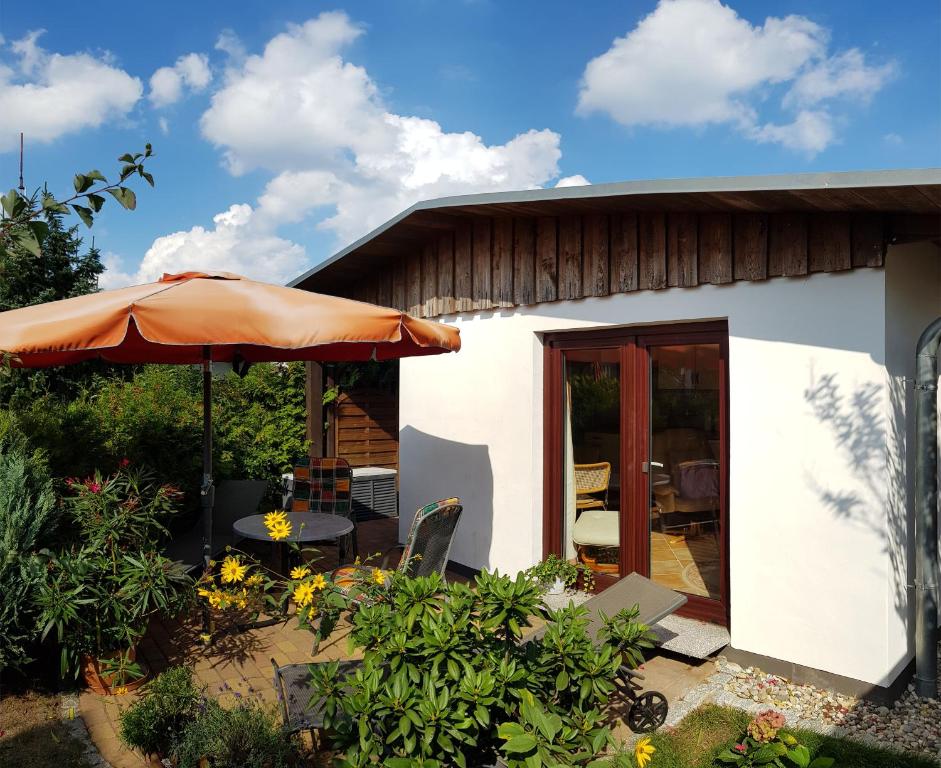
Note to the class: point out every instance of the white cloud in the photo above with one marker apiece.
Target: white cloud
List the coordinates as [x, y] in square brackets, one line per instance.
[845, 75]
[48, 95]
[893, 139]
[240, 241]
[697, 62]
[341, 160]
[167, 83]
[573, 181]
[164, 126]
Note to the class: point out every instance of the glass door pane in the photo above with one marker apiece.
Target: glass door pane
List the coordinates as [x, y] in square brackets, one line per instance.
[686, 466]
[591, 451]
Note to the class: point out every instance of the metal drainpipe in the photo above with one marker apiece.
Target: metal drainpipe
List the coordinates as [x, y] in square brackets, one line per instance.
[926, 511]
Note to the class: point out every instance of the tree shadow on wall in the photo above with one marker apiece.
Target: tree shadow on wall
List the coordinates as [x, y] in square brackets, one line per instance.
[873, 442]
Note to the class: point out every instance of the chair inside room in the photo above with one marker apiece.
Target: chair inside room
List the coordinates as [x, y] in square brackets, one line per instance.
[692, 494]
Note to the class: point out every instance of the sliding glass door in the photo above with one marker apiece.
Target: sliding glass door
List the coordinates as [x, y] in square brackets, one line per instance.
[636, 457]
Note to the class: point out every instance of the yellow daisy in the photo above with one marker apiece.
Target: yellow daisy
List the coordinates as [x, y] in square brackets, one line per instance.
[232, 570]
[216, 598]
[255, 580]
[378, 576]
[203, 592]
[319, 582]
[300, 572]
[280, 531]
[304, 594]
[643, 751]
[275, 518]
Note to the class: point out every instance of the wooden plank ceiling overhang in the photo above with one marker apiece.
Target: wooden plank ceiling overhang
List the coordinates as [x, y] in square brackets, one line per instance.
[486, 252]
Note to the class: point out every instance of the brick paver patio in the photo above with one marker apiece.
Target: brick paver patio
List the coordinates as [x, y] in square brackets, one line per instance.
[236, 665]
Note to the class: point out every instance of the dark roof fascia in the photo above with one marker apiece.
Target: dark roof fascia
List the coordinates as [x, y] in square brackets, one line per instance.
[705, 185]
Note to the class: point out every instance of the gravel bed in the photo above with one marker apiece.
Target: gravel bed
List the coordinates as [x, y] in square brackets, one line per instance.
[555, 602]
[911, 724]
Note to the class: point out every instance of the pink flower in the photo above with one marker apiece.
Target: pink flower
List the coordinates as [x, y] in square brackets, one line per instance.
[124, 462]
[739, 747]
[93, 487]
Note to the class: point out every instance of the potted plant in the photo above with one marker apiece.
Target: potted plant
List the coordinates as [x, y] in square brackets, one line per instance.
[99, 593]
[557, 575]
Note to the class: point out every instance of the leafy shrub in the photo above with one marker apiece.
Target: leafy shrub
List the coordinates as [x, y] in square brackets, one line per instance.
[27, 519]
[99, 593]
[155, 723]
[247, 736]
[446, 677]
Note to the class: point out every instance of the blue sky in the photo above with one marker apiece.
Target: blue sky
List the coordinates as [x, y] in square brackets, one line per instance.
[285, 130]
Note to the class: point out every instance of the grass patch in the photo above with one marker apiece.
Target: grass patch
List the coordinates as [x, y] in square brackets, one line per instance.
[34, 734]
[709, 730]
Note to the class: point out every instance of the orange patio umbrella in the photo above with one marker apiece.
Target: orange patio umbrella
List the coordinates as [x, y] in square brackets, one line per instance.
[202, 317]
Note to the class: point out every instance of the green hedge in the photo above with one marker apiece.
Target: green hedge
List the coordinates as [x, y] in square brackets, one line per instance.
[155, 418]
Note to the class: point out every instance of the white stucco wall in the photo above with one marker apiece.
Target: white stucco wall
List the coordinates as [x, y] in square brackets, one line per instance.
[811, 576]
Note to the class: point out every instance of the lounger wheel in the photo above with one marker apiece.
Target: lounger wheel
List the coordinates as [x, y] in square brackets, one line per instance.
[648, 712]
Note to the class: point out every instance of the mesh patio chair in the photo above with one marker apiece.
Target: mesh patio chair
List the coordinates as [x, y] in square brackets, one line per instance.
[426, 549]
[326, 485]
[292, 682]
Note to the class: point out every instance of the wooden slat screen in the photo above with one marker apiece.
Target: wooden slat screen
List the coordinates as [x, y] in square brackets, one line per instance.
[367, 428]
[499, 262]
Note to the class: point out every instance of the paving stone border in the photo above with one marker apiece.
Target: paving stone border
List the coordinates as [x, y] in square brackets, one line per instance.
[75, 725]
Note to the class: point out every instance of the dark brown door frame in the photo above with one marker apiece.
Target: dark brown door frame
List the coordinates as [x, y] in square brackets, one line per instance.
[633, 343]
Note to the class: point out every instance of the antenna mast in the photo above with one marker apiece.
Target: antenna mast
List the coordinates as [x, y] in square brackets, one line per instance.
[22, 185]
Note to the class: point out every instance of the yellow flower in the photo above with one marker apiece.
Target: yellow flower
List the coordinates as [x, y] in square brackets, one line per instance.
[255, 580]
[232, 570]
[643, 751]
[280, 531]
[304, 594]
[300, 572]
[378, 576]
[275, 518]
[319, 582]
[203, 592]
[216, 598]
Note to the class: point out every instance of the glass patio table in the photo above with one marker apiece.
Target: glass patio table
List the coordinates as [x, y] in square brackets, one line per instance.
[306, 527]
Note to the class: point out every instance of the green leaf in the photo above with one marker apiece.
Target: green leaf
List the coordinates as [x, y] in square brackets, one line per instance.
[40, 230]
[127, 170]
[518, 744]
[13, 203]
[26, 239]
[125, 196]
[85, 214]
[49, 203]
[799, 755]
[822, 762]
[127, 157]
[95, 201]
[148, 150]
[147, 177]
[95, 176]
[81, 183]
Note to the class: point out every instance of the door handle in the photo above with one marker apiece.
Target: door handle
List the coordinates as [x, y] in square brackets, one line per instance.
[645, 467]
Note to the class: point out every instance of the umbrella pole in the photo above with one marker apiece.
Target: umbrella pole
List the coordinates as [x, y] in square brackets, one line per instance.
[207, 491]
